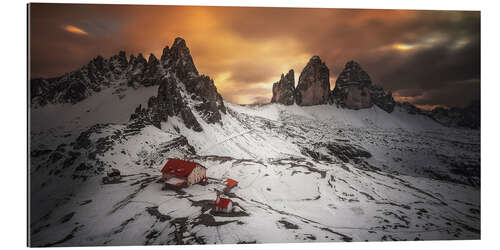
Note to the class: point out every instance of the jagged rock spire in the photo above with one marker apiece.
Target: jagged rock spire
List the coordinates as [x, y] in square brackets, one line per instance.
[140, 59]
[313, 87]
[164, 55]
[179, 58]
[354, 90]
[204, 99]
[152, 59]
[284, 89]
[353, 74]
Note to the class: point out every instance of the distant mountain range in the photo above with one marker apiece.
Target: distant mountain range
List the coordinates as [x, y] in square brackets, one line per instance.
[353, 88]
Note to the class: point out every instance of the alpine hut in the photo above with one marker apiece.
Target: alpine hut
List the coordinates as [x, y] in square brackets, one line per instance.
[223, 205]
[230, 183]
[178, 173]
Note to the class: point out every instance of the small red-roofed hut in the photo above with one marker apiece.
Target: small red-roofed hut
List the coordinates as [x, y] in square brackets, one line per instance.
[179, 172]
[223, 205]
[230, 183]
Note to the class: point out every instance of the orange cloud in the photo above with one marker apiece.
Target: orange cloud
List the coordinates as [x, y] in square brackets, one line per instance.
[75, 30]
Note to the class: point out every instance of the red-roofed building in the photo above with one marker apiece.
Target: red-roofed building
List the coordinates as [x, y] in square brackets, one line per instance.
[230, 183]
[179, 172]
[223, 205]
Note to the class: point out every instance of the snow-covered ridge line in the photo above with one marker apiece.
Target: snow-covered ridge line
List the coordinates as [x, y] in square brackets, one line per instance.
[116, 72]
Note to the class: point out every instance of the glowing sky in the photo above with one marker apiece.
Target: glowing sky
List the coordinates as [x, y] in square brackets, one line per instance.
[429, 58]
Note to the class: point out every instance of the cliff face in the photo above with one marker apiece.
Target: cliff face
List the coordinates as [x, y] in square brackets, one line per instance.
[354, 90]
[313, 87]
[284, 89]
[182, 92]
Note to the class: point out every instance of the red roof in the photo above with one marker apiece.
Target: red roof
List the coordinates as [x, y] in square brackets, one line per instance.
[223, 202]
[231, 183]
[178, 168]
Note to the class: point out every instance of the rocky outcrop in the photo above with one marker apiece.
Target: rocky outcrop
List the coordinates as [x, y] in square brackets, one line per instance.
[179, 60]
[455, 117]
[205, 98]
[168, 102]
[409, 108]
[467, 117]
[354, 90]
[75, 86]
[381, 98]
[182, 92]
[284, 89]
[153, 72]
[101, 73]
[313, 87]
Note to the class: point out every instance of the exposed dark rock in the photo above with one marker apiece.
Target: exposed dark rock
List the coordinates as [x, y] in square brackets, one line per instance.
[313, 87]
[77, 85]
[352, 88]
[382, 99]
[66, 217]
[118, 63]
[207, 100]
[353, 73]
[409, 108]
[182, 91]
[101, 73]
[345, 152]
[164, 55]
[284, 89]
[288, 225]
[179, 60]
[135, 75]
[170, 102]
[74, 86]
[467, 117]
[153, 72]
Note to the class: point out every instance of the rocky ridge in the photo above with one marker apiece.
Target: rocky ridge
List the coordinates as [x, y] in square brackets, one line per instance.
[182, 91]
[284, 89]
[313, 87]
[466, 117]
[354, 90]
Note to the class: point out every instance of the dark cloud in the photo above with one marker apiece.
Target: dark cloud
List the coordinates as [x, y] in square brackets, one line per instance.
[426, 57]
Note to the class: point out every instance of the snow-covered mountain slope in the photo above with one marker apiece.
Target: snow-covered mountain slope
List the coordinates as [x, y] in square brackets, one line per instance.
[317, 173]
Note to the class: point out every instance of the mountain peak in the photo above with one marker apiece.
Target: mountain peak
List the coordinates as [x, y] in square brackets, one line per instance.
[179, 58]
[179, 41]
[170, 100]
[152, 59]
[313, 87]
[315, 58]
[354, 90]
[180, 48]
[122, 55]
[284, 89]
[164, 54]
[353, 73]
[352, 64]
